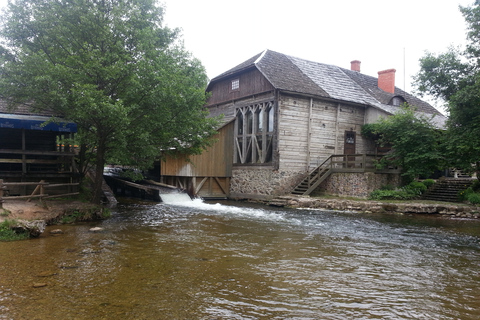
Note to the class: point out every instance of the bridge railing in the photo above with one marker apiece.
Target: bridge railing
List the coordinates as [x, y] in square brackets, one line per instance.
[38, 192]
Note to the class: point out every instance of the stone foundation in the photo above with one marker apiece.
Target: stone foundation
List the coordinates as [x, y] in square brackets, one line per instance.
[262, 183]
[357, 185]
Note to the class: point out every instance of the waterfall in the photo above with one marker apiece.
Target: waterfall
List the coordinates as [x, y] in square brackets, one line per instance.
[175, 198]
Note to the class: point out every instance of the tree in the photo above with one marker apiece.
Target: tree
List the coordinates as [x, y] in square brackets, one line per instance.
[414, 141]
[111, 67]
[454, 76]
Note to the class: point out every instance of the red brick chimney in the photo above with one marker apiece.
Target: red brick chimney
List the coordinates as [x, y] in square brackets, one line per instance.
[355, 65]
[386, 80]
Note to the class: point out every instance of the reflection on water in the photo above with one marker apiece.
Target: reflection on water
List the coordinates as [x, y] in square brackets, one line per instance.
[195, 260]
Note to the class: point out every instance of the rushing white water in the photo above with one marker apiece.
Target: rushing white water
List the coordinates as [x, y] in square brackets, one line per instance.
[175, 198]
[183, 200]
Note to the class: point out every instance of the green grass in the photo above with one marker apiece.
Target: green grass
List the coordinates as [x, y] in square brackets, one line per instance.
[8, 234]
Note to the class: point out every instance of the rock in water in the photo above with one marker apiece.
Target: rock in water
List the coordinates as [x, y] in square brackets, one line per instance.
[33, 227]
[56, 231]
[96, 229]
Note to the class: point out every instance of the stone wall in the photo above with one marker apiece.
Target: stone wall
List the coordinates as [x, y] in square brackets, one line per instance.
[357, 184]
[262, 183]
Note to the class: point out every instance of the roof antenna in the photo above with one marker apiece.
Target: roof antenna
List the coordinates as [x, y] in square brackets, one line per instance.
[404, 72]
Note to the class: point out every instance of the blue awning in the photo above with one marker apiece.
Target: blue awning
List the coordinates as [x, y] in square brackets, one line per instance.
[28, 122]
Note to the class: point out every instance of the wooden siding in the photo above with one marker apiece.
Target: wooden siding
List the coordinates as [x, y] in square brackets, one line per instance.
[228, 109]
[216, 161]
[310, 130]
[250, 83]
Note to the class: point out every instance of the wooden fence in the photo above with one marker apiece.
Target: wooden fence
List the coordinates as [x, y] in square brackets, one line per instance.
[38, 192]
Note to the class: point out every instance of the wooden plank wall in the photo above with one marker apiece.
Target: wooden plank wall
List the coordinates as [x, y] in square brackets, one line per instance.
[250, 83]
[216, 161]
[328, 123]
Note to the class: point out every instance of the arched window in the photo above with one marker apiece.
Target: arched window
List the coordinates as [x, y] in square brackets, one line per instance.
[397, 101]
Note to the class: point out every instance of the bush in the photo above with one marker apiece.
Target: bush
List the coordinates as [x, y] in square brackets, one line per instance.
[399, 194]
[473, 198]
[411, 191]
[464, 194]
[428, 182]
[416, 187]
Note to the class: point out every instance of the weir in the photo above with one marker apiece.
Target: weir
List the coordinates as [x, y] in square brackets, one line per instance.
[174, 198]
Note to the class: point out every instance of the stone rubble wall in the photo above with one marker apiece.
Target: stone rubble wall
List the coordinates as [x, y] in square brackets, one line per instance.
[260, 183]
[358, 185]
[257, 183]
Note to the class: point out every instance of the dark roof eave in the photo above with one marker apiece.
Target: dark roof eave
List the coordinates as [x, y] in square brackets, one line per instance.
[329, 99]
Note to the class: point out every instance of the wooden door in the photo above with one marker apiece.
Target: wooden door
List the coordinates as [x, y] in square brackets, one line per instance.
[349, 147]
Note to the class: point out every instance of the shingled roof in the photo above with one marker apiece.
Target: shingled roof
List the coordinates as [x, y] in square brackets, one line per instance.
[302, 76]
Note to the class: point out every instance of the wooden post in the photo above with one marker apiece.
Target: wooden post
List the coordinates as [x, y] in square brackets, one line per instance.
[38, 189]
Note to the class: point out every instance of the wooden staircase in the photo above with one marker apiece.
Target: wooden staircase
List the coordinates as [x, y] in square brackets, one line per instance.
[351, 163]
[313, 179]
[447, 189]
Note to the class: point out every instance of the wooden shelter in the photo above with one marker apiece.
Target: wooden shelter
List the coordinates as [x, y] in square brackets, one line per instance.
[30, 148]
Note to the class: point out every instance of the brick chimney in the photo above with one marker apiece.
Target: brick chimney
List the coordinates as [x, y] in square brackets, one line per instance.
[355, 65]
[386, 80]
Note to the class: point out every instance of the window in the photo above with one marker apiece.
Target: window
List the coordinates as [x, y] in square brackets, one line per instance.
[254, 134]
[235, 84]
[397, 101]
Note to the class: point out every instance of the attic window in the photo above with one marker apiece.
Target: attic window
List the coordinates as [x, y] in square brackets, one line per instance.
[397, 101]
[235, 84]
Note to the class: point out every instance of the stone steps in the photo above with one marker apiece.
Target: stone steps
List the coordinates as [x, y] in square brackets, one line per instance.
[447, 189]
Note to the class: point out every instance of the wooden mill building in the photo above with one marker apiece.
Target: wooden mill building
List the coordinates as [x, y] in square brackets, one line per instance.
[284, 117]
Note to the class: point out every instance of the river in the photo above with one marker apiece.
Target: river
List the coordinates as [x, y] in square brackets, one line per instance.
[195, 260]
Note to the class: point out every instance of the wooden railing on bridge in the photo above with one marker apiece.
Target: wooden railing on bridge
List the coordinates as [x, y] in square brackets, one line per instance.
[38, 192]
[339, 163]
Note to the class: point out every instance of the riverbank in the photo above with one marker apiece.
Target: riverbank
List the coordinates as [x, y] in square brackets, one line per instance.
[448, 209]
[32, 217]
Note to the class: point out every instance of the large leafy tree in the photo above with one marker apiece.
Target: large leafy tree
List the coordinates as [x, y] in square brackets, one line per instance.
[454, 76]
[113, 68]
[414, 140]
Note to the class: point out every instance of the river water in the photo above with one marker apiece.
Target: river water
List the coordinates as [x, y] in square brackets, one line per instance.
[240, 261]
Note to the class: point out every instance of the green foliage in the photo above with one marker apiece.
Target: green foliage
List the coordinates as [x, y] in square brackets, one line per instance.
[114, 69]
[8, 234]
[4, 213]
[370, 131]
[85, 215]
[428, 183]
[417, 187]
[416, 156]
[454, 77]
[474, 198]
[463, 194]
[411, 191]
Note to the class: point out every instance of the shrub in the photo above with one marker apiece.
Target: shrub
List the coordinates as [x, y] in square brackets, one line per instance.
[473, 198]
[416, 187]
[428, 182]
[463, 194]
[399, 194]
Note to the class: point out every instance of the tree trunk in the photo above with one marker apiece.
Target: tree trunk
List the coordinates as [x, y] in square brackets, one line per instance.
[99, 165]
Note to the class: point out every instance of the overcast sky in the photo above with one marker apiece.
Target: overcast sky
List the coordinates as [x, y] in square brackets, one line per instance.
[382, 34]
